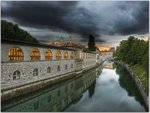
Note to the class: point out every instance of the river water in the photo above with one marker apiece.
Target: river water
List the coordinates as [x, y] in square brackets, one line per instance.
[107, 89]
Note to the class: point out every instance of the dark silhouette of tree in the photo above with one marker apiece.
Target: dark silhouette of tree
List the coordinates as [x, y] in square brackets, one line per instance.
[91, 43]
[13, 32]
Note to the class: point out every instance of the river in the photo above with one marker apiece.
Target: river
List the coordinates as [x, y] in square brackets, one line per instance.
[107, 89]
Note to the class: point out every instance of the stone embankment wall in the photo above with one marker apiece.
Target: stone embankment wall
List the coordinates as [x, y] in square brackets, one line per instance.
[137, 82]
[27, 73]
[15, 91]
[51, 98]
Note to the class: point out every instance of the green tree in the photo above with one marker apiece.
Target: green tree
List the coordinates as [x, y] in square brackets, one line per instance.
[145, 59]
[134, 52]
[13, 32]
[91, 43]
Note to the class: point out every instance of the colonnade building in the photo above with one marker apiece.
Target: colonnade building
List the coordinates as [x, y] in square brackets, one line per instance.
[25, 63]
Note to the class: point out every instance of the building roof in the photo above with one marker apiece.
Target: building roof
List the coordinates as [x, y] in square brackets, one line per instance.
[67, 44]
[9, 41]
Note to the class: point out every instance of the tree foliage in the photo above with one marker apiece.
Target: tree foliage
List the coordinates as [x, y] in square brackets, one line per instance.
[134, 51]
[91, 43]
[13, 32]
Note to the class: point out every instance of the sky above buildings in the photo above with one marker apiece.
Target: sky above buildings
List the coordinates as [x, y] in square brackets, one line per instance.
[109, 21]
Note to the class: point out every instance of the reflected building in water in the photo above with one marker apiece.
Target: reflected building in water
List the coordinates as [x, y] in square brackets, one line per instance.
[108, 65]
[98, 71]
[56, 98]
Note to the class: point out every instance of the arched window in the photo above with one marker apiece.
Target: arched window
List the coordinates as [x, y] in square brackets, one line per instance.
[35, 54]
[48, 55]
[16, 75]
[71, 55]
[35, 72]
[49, 70]
[58, 68]
[71, 65]
[58, 55]
[66, 67]
[15, 54]
[66, 55]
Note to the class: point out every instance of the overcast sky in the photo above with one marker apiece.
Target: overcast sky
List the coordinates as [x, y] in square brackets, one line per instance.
[108, 21]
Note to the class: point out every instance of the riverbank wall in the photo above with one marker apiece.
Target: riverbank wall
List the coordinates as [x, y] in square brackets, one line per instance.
[15, 92]
[137, 82]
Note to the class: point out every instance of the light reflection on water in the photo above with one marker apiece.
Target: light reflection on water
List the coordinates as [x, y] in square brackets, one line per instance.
[98, 90]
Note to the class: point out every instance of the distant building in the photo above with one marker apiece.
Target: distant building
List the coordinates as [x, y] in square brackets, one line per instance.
[107, 54]
[112, 49]
[68, 43]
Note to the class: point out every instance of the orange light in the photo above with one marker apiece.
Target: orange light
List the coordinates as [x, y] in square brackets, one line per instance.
[104, 48]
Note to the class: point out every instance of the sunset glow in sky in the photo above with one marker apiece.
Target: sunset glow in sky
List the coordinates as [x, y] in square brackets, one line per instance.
[103, 48]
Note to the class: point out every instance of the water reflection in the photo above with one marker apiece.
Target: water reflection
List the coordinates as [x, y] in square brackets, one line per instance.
[128, 84]
[108, 95]
[57, 97]
[108, 65]
[108, 89]
[99, 71]
[91, 89]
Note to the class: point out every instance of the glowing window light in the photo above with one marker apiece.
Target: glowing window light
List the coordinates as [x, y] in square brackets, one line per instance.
[48, 55]
[15, 54]
[35, 54]
[66, 55]
[58, 55]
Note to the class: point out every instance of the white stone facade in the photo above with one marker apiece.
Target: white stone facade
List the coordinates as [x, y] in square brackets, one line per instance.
[26, 71]
[26, 66]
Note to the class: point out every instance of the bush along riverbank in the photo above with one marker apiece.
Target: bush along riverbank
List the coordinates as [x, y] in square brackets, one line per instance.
[138, 75]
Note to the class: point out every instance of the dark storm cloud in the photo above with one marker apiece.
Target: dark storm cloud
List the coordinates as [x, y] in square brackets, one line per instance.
[38, 14]
[97, 40]
[138, 21]
[81, 18]
[53, 15]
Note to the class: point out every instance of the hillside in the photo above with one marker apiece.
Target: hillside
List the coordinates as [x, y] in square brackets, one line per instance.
[13, 32]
